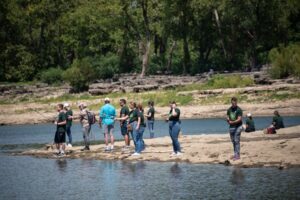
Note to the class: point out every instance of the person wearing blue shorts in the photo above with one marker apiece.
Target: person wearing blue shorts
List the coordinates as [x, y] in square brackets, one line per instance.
[107, 116]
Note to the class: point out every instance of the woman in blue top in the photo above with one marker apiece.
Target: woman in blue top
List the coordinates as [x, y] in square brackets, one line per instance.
[174, 127]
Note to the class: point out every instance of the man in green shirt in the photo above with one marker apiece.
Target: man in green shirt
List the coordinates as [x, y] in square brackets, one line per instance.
[69, 115]
[234, 119]
[250, 127]
[124, 115]
[60, 135]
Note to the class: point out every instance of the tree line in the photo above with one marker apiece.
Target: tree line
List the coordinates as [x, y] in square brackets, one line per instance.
[101, 38]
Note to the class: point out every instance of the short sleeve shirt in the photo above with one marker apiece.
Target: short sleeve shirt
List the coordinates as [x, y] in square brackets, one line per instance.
[151, 112]
[133, 115]
[233, 113]
[174, 118]
[61, 117]
[69, 121]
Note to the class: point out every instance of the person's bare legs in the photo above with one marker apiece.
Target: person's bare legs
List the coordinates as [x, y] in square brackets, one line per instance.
[106, 139]
[127, 140]
[112, 139]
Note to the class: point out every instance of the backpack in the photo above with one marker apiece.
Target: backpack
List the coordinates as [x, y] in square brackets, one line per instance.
[91, 117]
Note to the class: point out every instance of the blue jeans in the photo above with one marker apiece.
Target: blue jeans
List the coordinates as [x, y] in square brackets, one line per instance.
[174, 129]
[235, 135]
[139, 147]
[151, 128]
[69, 134]
[133, 132]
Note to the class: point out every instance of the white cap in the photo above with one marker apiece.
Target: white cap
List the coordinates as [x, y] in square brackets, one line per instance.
[82, 104]
[106, 99]
[66, 105]
[249, 115]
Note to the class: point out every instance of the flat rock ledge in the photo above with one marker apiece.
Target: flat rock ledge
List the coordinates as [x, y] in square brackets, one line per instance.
[280, 150]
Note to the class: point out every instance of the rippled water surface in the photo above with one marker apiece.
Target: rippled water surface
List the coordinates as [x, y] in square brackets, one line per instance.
[23, 177]
[32, 178]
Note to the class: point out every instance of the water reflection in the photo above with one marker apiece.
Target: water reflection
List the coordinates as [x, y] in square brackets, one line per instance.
[62, 164]
[237, 179]
[237, 176]
[175, 169]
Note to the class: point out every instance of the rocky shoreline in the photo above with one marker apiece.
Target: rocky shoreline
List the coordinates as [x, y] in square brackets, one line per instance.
[281, 150]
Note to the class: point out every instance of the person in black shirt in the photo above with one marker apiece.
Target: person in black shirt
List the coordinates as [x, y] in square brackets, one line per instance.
[150, 118]
[234, 119]
[60, 135]
[174, 127]
[124, 116]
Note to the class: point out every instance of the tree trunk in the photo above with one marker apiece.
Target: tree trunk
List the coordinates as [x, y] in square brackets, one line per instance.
[186, 56]
[220, 32]
[171, 55]
[145, 50]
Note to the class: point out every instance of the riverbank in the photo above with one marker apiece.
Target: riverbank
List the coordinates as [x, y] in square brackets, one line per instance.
[195, 99]
[281, 150]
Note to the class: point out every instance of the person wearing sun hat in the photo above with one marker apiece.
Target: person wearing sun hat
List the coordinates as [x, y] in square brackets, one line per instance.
[86, 127]
[250, 126]
[69, 115]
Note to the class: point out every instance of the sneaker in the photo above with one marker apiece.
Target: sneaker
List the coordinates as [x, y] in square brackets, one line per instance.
[61, 154]
[178, 153]
[136, 154]
[173, 154]
[69, 145]
[112, 148]
[236, 158]
[86, 148]
[107, 149]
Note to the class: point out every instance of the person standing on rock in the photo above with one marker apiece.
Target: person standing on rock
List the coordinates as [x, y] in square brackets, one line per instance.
[150, 118]
[250, 126]
[69, 115]
[86, 127]
[133, 118]
[107, 116]
[139, 131]
[60, 135]
[124, 115]
[174, 127]
[234, 119]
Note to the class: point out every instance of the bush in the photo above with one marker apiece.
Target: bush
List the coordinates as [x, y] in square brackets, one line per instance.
[285, 61]
[231, 81]
[106, 66]
[52, 76]
[80, 74]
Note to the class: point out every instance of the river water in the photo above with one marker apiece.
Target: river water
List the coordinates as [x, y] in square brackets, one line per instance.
[24, 177]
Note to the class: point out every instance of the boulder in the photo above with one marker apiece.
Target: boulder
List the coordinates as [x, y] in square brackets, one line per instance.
[140, 88]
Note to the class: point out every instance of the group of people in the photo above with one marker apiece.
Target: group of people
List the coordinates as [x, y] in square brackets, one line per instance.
[133, 124]
[132, 120]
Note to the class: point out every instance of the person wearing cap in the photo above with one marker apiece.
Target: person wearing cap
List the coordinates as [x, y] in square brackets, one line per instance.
[250, 127]
[234, 119]
[86, 127]
[107, 116]
[69, 115]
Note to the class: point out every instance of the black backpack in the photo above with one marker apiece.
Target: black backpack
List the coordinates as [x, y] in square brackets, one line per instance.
[91, 117]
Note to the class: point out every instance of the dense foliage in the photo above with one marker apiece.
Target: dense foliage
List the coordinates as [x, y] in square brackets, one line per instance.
[145, 36]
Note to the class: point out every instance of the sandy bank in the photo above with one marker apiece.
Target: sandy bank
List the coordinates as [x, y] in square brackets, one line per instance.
[257, 150]
[36, 113]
